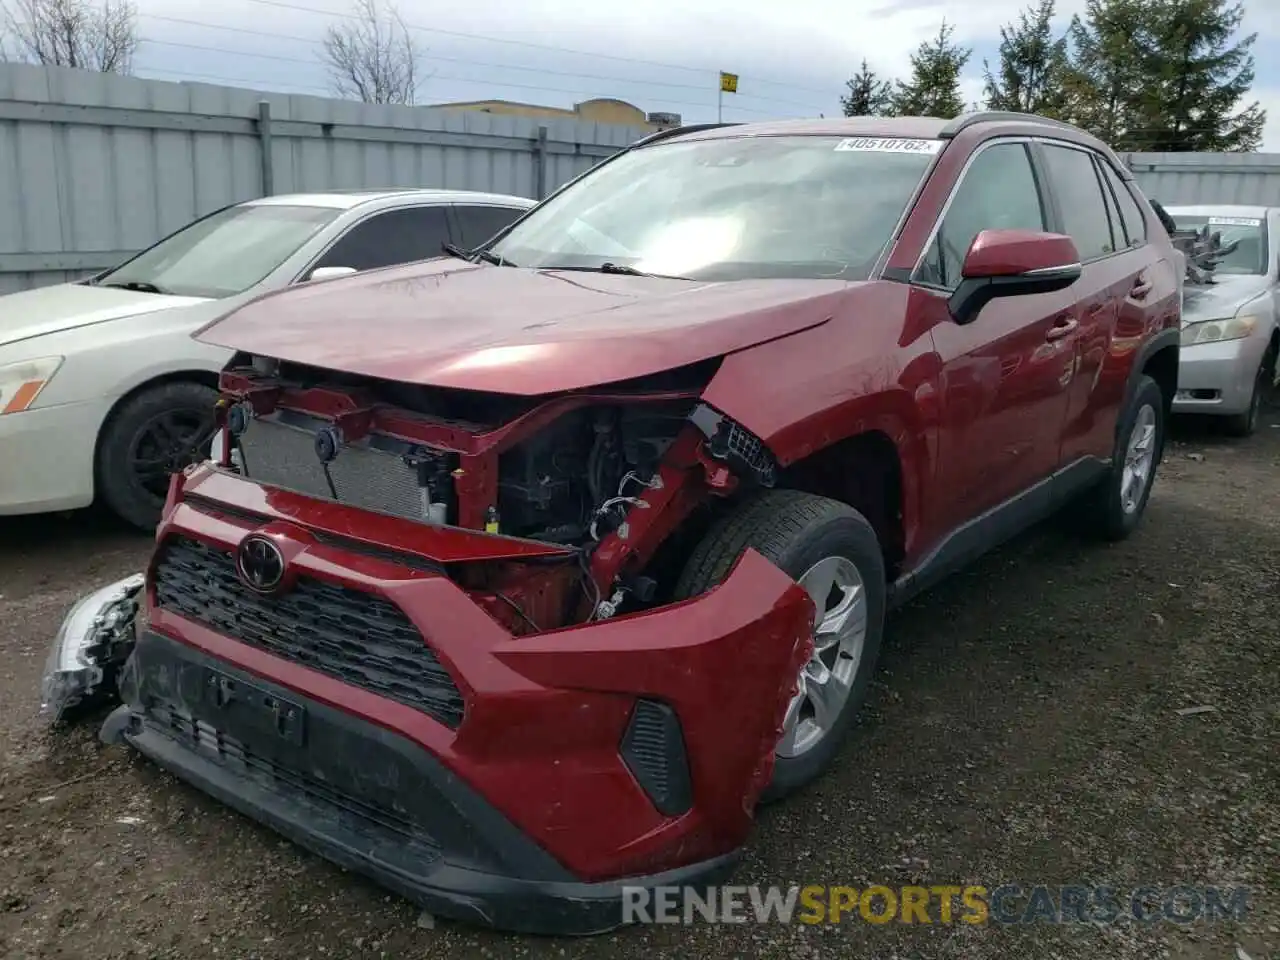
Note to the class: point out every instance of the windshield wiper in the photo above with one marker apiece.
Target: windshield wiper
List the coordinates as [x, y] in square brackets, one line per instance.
[618, 268]
[471, 256]
[141, 286]
[623, 268]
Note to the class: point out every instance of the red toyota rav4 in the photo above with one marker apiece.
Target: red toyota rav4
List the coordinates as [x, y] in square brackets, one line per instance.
[527, 571]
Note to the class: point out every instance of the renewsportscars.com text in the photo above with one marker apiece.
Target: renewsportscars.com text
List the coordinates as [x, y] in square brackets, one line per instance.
[938, 904]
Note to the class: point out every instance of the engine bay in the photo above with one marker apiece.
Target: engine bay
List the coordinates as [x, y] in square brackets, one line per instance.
[599, 478]
[560, 469]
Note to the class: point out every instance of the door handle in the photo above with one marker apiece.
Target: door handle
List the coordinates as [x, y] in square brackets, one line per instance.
[1141, 288]
[1062, 328]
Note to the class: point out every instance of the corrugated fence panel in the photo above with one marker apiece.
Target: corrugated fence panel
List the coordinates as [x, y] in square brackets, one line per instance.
[1184, 178]
[94, 167]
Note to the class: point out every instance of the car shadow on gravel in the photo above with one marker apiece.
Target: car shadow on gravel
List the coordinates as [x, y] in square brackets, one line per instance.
[54, 532]
[79, 551]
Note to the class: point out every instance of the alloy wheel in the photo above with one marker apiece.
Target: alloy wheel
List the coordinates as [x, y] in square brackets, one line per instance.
[826, 680]
[1139, 459]
[166, 444]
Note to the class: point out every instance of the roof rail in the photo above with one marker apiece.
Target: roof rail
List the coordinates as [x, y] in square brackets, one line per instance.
[966, 120]
[676, 131]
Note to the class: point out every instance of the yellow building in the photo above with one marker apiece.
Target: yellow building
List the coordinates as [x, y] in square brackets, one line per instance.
[598, 110]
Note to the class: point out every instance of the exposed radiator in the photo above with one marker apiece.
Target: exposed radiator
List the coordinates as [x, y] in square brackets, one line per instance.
[281, 454]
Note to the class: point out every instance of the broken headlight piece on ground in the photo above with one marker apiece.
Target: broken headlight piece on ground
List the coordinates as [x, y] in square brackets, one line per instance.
[95, 639]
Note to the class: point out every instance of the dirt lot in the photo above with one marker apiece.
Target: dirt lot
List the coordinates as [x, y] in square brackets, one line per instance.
[1024, 729]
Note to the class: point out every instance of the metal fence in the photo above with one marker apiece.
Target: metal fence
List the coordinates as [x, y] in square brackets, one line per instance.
[94, 167]
[1181, 178]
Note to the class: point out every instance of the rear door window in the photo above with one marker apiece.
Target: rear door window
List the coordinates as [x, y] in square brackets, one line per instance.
[480, 223]
[393, 237]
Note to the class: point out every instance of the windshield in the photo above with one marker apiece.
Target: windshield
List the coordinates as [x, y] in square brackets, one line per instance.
[730, 209]
[1250, 256]
[225, 253]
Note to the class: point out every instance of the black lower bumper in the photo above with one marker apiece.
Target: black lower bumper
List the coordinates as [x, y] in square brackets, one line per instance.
[358, 795]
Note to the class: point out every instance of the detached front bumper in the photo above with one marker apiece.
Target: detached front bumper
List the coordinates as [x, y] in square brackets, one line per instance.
[575, 762]
[1217, 378]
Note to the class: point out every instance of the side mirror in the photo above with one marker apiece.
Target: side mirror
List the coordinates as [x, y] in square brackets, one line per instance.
[1013, 263]
[331, 273]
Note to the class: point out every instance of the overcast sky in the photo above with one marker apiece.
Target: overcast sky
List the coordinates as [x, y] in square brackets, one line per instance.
[792, 57]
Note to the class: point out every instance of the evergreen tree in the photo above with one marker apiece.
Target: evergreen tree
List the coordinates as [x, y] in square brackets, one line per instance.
[1105, 84]
[934, 87]
[868, 95]
[1032, 65]
[1200, 72]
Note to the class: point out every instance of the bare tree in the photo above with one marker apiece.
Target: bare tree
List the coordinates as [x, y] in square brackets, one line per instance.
[373, 57]
[97, 35]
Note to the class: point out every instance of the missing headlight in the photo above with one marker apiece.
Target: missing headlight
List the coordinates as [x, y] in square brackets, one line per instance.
[733, 444]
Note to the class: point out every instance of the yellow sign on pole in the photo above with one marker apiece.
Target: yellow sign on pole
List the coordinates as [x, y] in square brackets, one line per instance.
[728, 82]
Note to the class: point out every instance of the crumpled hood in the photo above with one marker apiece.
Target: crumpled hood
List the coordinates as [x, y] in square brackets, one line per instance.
[450, 323]
[1221, 299]
[66, 306]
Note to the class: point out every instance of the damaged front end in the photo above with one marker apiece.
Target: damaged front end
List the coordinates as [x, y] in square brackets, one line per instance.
[436, 636]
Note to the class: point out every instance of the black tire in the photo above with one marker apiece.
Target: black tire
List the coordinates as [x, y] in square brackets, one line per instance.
[795, 530]
[122, 488]
[1246, 424]
[1102, 513]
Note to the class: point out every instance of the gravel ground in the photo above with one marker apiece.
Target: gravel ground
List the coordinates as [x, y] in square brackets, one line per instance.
[1024, 728]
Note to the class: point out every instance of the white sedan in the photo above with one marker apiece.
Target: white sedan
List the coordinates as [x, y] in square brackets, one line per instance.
[104, 392]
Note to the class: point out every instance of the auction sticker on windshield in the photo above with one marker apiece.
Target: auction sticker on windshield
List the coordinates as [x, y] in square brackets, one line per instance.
[889, 145]
[1235, 222]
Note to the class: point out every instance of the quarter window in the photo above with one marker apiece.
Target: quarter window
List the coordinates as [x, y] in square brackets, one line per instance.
[1079, 193]
[1135, 225]
[998, 192]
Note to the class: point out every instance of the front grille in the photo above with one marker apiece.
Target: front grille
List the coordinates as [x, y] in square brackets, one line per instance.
[356, 637]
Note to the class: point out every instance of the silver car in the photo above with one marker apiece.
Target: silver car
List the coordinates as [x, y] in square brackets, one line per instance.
[1230, 337]
[103, 391]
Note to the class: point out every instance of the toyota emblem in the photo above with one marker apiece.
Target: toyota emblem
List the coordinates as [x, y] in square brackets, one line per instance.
[260, 563]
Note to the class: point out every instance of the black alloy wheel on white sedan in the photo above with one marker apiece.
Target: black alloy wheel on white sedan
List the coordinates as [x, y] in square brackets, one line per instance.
[155, 433]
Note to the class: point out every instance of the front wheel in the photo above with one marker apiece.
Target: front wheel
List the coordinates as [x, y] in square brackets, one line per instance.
[150, 436]
[832, 551]
[1246, 424]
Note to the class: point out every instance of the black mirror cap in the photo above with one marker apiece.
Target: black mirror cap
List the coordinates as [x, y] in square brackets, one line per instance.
[974, 293]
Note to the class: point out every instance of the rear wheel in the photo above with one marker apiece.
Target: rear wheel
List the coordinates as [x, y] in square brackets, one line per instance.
[1114, 508]
[832, 551]
[150, 436]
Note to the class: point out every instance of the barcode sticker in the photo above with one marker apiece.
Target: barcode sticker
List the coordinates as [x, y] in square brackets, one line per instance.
[1235, 222]
[889, 145]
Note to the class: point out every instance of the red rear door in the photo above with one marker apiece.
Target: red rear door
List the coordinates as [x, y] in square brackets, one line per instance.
[1112, 297]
